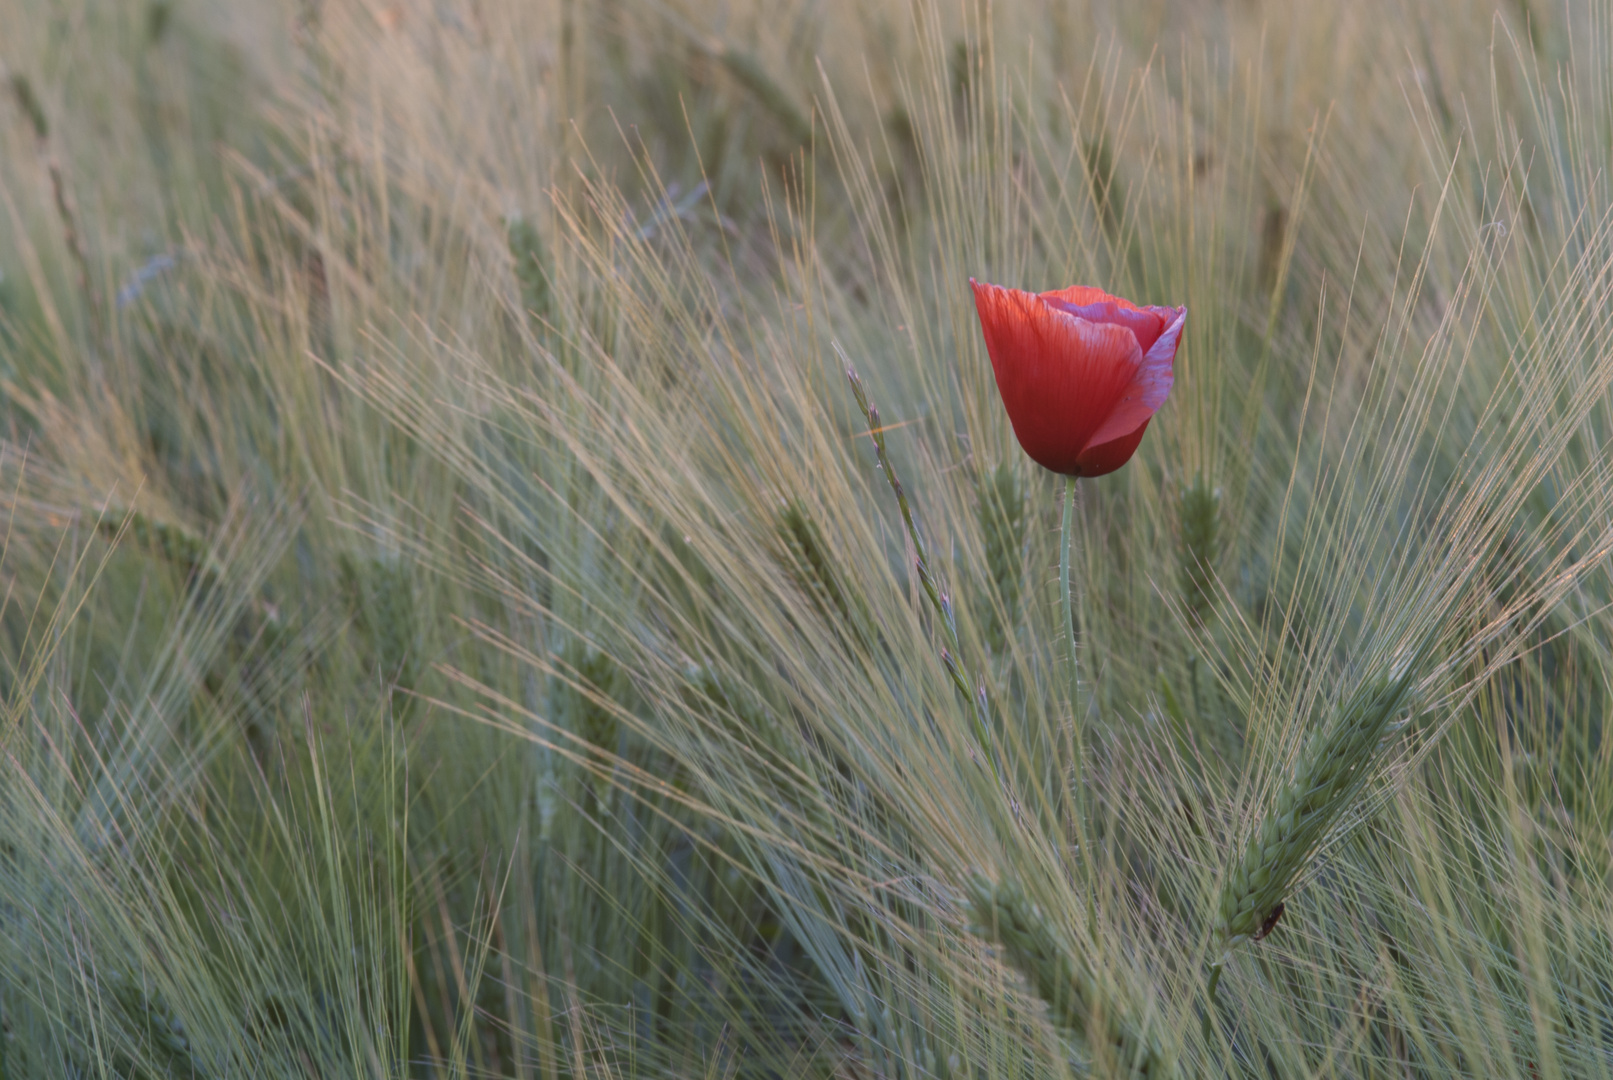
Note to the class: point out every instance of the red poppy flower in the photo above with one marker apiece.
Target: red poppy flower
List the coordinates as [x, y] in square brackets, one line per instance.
[1080, 372]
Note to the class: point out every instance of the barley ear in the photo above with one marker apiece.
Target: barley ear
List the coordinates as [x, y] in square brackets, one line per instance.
[749, 71]
[1199, 510]
[533, 270]
[174, 543]
[1334, 767]
[815, 570]
[29, 103]
[1004, 914]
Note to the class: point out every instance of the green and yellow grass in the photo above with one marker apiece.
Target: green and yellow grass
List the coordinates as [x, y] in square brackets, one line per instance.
[455, 623]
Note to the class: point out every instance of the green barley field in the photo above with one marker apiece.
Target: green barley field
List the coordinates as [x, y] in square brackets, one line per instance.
[455, 622]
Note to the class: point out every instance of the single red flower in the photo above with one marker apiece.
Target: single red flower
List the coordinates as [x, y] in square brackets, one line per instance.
[1080, 372]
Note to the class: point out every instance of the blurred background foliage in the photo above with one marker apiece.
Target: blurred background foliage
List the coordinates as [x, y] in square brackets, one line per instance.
[454, 625]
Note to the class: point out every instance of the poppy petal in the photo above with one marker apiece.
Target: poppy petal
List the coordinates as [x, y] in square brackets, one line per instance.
[1146, 323]
[1083, 295]
[1148, 388]
[1060, 376]
[1109, 456]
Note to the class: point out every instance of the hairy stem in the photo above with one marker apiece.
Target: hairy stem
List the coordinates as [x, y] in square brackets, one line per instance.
[1064, 579]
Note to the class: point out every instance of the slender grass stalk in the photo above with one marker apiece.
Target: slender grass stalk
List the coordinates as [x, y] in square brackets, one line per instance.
[1000, 513]
[66, 212]
[951, 653]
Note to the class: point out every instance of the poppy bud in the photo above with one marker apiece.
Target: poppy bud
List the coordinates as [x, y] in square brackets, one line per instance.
[1080, 372]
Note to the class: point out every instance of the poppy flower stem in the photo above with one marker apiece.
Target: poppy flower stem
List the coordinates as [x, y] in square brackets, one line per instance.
[1077, 724]
[1072, 496]
[1064, 572]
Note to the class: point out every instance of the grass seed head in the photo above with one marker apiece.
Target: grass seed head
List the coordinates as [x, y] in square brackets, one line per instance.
[1057, 974]
[1335, 766]
[1199, 508]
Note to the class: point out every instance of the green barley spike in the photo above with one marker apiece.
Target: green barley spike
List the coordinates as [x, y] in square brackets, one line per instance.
[1108, 198]
[159, 15]
[805, 542]
[750, 73]
[382, 594]
[174, 543]
[1003, 913]
[598, 676]
[1335, 765]
[1199, 510]
[532, 268]
[29, 103]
